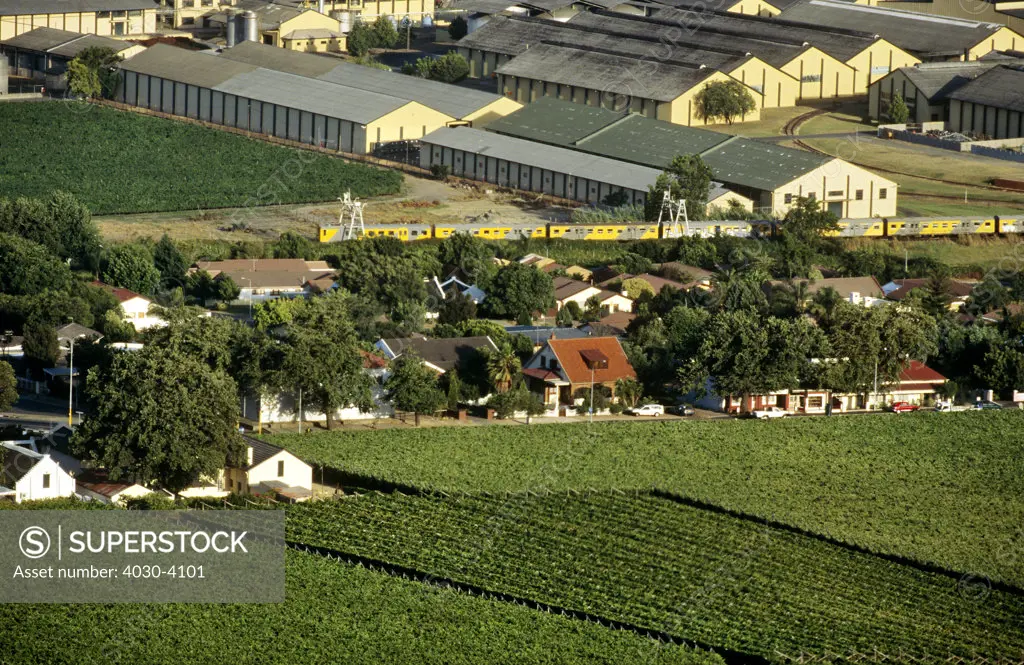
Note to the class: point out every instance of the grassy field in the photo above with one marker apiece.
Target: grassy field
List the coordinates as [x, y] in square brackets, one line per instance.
[771, 123]
[694, 573]
[334, 614]
[986, 252]
[942, 488]
[120, 162]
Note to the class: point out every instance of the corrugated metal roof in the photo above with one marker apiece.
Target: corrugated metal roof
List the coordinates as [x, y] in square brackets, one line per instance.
[936, 80]
[554, 121]
[611, 73]
[511, 35]
[775, 53]
[185, 66]
[329, 99]
[644, 140]
[270, 15]
[452, 100]
[912, 31]
[16, 7]
[558, 160]
[759, 164]
[1000, 87]
[73, 48]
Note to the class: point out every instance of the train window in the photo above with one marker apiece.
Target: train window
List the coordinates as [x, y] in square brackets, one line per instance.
[414, 233]
[600, 230]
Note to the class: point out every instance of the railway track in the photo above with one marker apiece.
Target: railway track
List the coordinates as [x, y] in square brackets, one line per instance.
[790, 129]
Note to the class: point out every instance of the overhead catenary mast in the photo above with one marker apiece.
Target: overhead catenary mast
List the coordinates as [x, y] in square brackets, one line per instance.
[351, 209]
[672, 209]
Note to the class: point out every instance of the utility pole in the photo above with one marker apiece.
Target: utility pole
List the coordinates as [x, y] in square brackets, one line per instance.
[300, 410]
[591, 392]
[71, 382]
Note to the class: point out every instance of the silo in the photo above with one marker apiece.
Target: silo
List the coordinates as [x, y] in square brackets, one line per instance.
[232, 28]
[249, 20]
[345, 21]
[320, 7]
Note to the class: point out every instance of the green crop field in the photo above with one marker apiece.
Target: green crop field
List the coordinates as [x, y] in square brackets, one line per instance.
[691, 572]
[120, 162]
[334, 614]
[940, 488]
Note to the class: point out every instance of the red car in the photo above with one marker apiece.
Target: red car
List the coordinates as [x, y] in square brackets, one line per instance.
[904, 407]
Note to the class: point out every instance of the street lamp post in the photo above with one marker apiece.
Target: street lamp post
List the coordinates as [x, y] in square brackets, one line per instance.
[248, 279]
[591, 392]
[71, 381]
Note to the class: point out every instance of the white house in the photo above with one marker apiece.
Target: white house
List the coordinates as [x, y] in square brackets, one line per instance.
[134, 308]
[29, 476]
[259, 280]
[571, 290]
[283, 406]
[267, 470]
[94, 485]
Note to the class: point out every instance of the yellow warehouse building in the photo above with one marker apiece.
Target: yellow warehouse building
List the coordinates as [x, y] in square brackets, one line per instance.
[106, 18]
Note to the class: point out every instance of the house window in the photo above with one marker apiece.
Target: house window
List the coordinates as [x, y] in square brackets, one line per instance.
[835, 193]
[883, 193]
[46, 481]
[788, 198]
[812, 196]
[280, 469]
[815, 401]
[859, 195]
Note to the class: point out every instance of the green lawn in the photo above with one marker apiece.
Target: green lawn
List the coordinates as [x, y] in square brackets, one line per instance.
[333, 614]
[120, 162]
[943, 488]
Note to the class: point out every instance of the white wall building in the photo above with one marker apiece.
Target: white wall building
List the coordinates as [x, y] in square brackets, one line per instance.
[30, 476]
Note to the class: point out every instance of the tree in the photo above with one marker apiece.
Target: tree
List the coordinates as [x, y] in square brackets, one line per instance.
[687, 177]
[987, 296]
[450, 68]
[724, 99]
[564, 318]
[204, 288]
[131, 267]
[93, 72]
[322, 358]
[170, 262]
[523, 346]
[27, 268]
[629, 392]
[413, 387]
[8, 386]
[458, 28]
[40, 346]
[160, 417]
[616, 199]
[454, 390]
[384, 32]
[518, 291]
[292, 246]
[635, 287]
[734, 289]
[898, 111]
[469, 254]
[1002, 369]
[937, 293]
[503, 366]
[456, 308]
[592, 310]
[361, 38]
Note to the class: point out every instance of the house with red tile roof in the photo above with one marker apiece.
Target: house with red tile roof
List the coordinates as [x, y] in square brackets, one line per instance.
[96, 485]
[134, 307]
[572, 290]
[563, 366]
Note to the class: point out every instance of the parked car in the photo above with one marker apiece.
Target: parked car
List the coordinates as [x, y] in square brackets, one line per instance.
[681, 410]
[903, 407]
[986, 405]
[648, 410]
[771, 412]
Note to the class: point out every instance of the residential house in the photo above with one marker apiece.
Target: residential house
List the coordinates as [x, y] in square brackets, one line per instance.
[655, 282]
[267, 279]
[918, 384]
[284, 407]
[134, 307]
[539, 335]
[440, 355]
[613, 325]
[570, 290]
[563, 366]
[267, 469]
[544, 264]
[863, 291]
[959, 290]
[26, 475]
[95, 485]
[690, 275]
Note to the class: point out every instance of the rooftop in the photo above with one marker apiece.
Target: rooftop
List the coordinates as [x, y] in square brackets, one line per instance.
[759, 164]
[444, 353]
[62, 42]
[261, 450]
[452, 100]
[619, 74]
[918, 372]
[937, 80]
[540, 334]
[15, 462]
[15, 7]
[844, 286]
[560, 160]
[268, 273]
[553, 121]
[571, 358]
[1000, 87]
[918, 33]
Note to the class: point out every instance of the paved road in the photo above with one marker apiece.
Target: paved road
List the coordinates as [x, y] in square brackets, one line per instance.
[37, 412]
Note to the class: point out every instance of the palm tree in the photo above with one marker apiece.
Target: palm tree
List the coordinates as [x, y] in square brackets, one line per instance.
[503, 366]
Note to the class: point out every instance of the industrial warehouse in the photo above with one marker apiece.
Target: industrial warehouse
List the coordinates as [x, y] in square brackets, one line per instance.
[348, 118]
[771, 176]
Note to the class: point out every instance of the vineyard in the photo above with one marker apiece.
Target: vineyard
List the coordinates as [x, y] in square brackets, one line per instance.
[334, 614]
[695, 574]
[119, 162]
[946, 489]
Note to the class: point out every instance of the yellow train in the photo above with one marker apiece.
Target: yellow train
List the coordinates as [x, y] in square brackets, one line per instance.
[848, 228]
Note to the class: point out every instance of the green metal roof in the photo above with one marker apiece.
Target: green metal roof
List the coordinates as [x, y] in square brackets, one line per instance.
[554, 121]
[633, 138]
[647, 141]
